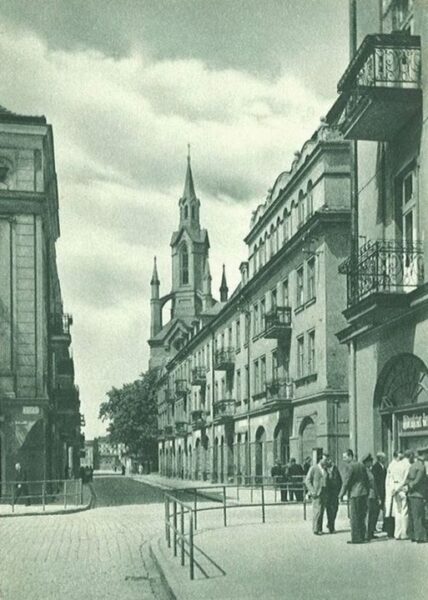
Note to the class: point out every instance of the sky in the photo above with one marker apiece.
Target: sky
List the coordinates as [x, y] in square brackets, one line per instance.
[126, 85]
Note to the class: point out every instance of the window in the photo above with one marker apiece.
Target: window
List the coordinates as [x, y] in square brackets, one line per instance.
[208, 357]
[216, 398]
[208, 394]
[193, 213]
[238, 385]
[300, 356]
[272, 240]
[301, 209]
[246, 379]
[256, 377]
[309, 200]
[311, 352]
[273, 300]
[299, 287]
[311, 278]
[184, 265]
[402, 15]
[238, 334]
[262, 313]
[229, 336]
[223, 389]
[261, 253]
[186, 211]
[256, 319]
[255, 259]
[285, 296]
[262, 373]
[278, 234]
[285, 227]
[222, 341]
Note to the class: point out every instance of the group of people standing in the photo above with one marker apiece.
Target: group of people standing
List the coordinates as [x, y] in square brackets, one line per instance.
[399, 491]
[289, 478]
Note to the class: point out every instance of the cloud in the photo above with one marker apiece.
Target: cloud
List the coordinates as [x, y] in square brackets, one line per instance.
[121, 128]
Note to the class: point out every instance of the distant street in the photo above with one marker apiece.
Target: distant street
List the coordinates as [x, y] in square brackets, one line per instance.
[98, 554]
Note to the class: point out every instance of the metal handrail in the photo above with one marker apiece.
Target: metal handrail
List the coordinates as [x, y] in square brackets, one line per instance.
[186, 539]
[50, 488]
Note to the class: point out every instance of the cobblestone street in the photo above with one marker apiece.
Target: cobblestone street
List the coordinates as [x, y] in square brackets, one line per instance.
[96, 554]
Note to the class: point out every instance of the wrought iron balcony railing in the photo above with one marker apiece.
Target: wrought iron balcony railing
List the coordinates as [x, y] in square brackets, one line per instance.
[384, 266]
[181, 427]
[224, 359]
[60, 325]
[168, 431]
[279, 391]
[180, 387]
[168, 396]
[199, 376]
[223, 410]
[278, 322]
[381, 86]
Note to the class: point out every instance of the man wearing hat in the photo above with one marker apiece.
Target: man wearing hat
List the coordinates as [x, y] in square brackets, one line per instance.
[356, 486]
[417, 483]
[372, 499]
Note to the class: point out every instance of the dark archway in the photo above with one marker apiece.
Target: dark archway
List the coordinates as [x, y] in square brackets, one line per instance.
[281, 442]
[259, 451]
[308, 438]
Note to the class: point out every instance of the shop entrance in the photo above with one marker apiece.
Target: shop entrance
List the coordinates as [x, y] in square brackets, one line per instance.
[401, 405]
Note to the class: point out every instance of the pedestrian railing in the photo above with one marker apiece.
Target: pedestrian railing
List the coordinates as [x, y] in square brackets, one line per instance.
[181, 516]
[63, 492]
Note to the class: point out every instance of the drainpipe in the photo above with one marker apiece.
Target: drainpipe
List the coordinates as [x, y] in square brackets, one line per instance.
[354, 243]
[248, 312]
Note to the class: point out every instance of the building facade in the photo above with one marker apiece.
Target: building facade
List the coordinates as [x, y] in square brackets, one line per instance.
[39, 402]
[382, 109]
[259, 375]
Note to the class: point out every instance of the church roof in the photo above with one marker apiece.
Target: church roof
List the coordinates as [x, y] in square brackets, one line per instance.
[199, 236]
[168, 328]
[7, 116]
[189, 186]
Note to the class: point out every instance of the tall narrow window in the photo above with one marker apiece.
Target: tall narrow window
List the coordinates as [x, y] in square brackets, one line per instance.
[301, 209]
[299, 287]
[285, 294]
[262, 314]
[256, 319]
[262, 373]
[238, 385]
[184, 265]
[309, 200]
[311, 278]
[238, 334]
[273, 300]
[247, 328]
[274, 365]
[285, 227]
[246, 381]
[300, 356]
[256, 377]
[311, 352]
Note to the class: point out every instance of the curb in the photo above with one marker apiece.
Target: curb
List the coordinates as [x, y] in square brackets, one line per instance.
[63, 511]
[161, 571]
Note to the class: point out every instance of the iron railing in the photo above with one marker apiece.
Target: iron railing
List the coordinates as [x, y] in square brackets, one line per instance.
[180, 387]
[224, 359]
[42, 492]
[384, 266]
[198, 418]
[278, 316]
[279, 390]
[60, 324]
[223, 408]
[181, 427]
[199, 376]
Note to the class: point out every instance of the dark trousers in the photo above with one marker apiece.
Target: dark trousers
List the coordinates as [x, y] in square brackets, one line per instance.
[318, 507]
[358, 507]
[332, 506]
[372, 516]
[417, 518]
[284, 495]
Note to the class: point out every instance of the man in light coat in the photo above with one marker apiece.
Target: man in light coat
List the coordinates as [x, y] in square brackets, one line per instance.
[316, 483]
[396, 498]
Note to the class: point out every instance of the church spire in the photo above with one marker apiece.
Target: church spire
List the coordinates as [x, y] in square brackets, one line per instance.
[224, 290]
[155, 276]
[189, 186]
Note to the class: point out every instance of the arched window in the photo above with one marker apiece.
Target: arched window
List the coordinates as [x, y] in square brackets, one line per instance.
[278, 233]
[266, 248]
[309, 199]
[193, 213]
[292, 219]
[272, 240]
[186, 211]
[261, 253]
[184, 264]
[255, 259]
[301, 209]
[285, 226]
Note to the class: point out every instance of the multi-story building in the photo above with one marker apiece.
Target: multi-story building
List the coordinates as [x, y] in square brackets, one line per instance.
[39, 403]
[382, 109]
[106, 456]
[259, 375]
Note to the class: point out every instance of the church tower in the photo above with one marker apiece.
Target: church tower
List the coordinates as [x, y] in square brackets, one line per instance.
[189, 246]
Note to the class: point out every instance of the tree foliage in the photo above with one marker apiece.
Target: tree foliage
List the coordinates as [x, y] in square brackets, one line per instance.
[132, 415]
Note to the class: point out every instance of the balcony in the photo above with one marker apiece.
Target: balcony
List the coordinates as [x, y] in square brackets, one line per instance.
[224, 411]
[198, 419]
[278, 322]
[181, 428]
[60, 328]
[168, 396]
[168, 431]
[381, 88]
[224, 359]
[384, 267]
[279, 393]
[65, 366]
[199, 376]
[180, 387]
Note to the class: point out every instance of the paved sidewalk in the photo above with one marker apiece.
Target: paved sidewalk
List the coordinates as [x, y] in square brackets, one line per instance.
[22, 510]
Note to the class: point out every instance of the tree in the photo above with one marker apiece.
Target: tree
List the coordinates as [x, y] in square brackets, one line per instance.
[132, 415]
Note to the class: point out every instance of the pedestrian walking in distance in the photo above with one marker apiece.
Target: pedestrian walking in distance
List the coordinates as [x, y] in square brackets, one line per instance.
[417, 494]
[334, 485]
[372, 499]
[316, 483]
[295, 476]
[356, 486]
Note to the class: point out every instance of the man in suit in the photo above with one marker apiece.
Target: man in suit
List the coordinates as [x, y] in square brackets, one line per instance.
[379, 474]
[417, 484]
[356, 486]
[296, 476]
[334, 485]
[372, 499]
[316, 483]
[279, 478]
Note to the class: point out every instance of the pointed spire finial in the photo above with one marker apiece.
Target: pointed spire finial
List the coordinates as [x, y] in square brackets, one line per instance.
[155, 276]
[189, 187]
[188, 153]
[224, 290]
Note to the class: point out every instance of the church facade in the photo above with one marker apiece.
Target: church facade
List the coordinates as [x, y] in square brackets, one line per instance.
[259, 375]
